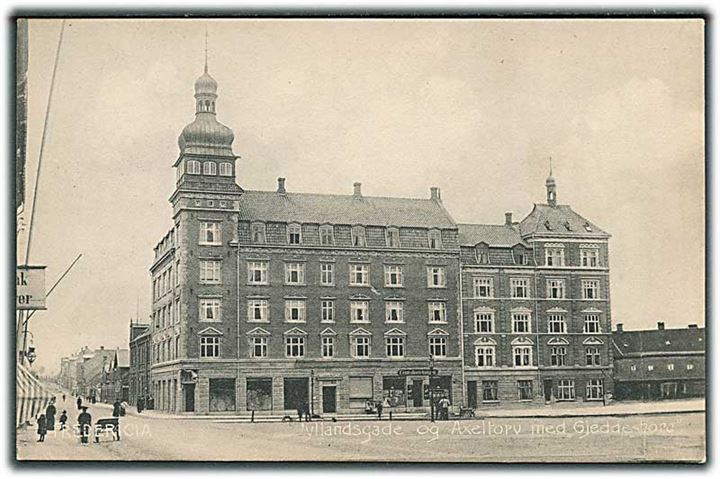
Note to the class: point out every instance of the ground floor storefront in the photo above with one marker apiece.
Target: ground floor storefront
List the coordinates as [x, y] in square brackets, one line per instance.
[318, 388]
[660, 389]
[576, 384]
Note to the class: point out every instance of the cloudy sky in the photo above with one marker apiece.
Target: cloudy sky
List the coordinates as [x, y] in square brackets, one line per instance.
[474, 107]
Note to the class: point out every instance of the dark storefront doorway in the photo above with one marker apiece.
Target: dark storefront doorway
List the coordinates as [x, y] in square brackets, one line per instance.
[444, 383]
[417, 393]
[547, 388]
[295, 392]
[472, 394]
[329, 399]
[189, 397]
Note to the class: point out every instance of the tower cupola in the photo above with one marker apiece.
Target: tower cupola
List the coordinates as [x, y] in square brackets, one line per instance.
[551, 188]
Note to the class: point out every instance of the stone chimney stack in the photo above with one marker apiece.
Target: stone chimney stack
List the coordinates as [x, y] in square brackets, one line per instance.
[660, 325]
[357, 192]
[619, 327]
[508, 218]
[435, 193]
[281, 186]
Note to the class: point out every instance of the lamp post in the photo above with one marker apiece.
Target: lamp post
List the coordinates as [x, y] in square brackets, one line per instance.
[431, 362]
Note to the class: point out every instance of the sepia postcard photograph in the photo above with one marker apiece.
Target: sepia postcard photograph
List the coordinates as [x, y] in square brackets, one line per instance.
[406, 239]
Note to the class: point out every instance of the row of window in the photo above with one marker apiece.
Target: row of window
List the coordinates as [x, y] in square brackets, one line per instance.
[208, 168]
[565, 390]
[484, 321]
[483, 287]
[554, 255]
[359, 274]
[167, 350]
[295, 346]
[522, 356]
[295, 311]
[327, 235]
[164, 281]
[670, 367]
[168, 314]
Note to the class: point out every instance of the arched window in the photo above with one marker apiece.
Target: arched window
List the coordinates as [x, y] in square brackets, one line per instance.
[482, 253]
[209, 168]
[193, 167]
[225, 169]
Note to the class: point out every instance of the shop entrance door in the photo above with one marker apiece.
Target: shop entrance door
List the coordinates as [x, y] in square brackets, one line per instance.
[189, 397]
[296, 393]
[329, 399]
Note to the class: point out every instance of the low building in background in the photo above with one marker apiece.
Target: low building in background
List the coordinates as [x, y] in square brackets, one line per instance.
[659, 363]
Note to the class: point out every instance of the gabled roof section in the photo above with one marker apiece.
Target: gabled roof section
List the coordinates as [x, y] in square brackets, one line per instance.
[504, 236]
[122, 358]
[659, 341]
[558, 220]
[343, 209]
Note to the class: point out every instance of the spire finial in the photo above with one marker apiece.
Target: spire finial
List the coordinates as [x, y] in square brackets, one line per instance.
[550, 158]
[206, 41]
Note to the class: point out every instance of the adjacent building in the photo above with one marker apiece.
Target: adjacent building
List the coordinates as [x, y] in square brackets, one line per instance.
[140, 362]
[659, 363]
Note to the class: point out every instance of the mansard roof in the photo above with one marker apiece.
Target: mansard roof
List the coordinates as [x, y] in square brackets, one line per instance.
[343, 209]
[560, 220]
[658, 342]
[493, 235]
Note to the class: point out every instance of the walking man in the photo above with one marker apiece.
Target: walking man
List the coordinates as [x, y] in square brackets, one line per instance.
[116, 408]
[41, 428]
[50, 412]
[140, 404]
[79, 402]
[84, 421]
[379, 407]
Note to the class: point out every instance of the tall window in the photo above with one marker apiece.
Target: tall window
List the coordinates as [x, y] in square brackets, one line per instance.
[257, 272]
[326, 235]
[437, 346]
[259, 345]
[484, 356]
[521, 322]
[490, 391]
[436, 277]
[589, 257]
[555, 288]
[392, 238]
[294, 273]
[592, 323]
[557, 355]
[566, 390]
[522, 355]
[257, 233]
[210, 271]
[590, 288]
[359, 275]
[295, 311]
[524, 389]
[294, 234]
[393, 276]
[482, 254]
[556, 323]
[210, 233]
[358, 236]
[482, 287]
[360, 346]
[592, 356]
[393, 312]
[209, 347]
[327, 274]
[225, 169]
[257, 311]
[437, 312]
[193, 167]
[594, 389]
[484, 321]
[295, 346]
[327, 346]
[434, 239]
[359, 312]
[210, 309]
[395, 346]
[519, 287]
[209, 168]
[327, 311]
[554, 256]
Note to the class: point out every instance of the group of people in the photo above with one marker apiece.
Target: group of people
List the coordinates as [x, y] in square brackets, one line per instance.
[442, 409]
[46, 421]
[303, 410]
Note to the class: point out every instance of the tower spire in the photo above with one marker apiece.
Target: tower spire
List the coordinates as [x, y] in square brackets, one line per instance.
[206, 42]
[550, 186]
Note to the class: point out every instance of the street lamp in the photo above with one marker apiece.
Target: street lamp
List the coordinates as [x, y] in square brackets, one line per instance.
[30, 354]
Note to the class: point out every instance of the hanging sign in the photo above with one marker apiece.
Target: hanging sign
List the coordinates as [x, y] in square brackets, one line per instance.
[30, 287]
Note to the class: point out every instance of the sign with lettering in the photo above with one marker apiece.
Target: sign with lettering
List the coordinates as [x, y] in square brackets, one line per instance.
[30, 287]
[418, 372]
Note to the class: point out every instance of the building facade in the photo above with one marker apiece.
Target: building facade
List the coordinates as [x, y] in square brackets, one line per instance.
[271, 301]
[140, 362]
[660, 363]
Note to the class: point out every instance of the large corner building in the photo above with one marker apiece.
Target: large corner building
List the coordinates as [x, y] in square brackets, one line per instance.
[269, 300]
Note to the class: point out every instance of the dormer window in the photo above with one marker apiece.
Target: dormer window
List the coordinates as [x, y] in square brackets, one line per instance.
[520, 256]
[294, 234]
[547, 225]
[225, 169]
[567, 225]
[434, 239]
[257, 233]
[193, 167]
[358, 236]
[392, 238]
[326, 235]
[209, 168]
[482, 255]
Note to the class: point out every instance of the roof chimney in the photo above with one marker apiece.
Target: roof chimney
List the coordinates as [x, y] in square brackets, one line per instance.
[281, 186]
[356, 189]
[661, 325]
[619, 327]
[435, 193]
[692, 326]
[508, 218]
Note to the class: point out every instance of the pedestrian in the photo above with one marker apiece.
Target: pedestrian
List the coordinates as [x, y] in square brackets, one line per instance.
[84, 422]
[140, 404]
[63, 396]
[444, 409]
[116, 408]
[63, 420]
[379, 407]
[41, 428]
[50, 412]
[306, 410]
[300, 410]
[79, 402]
